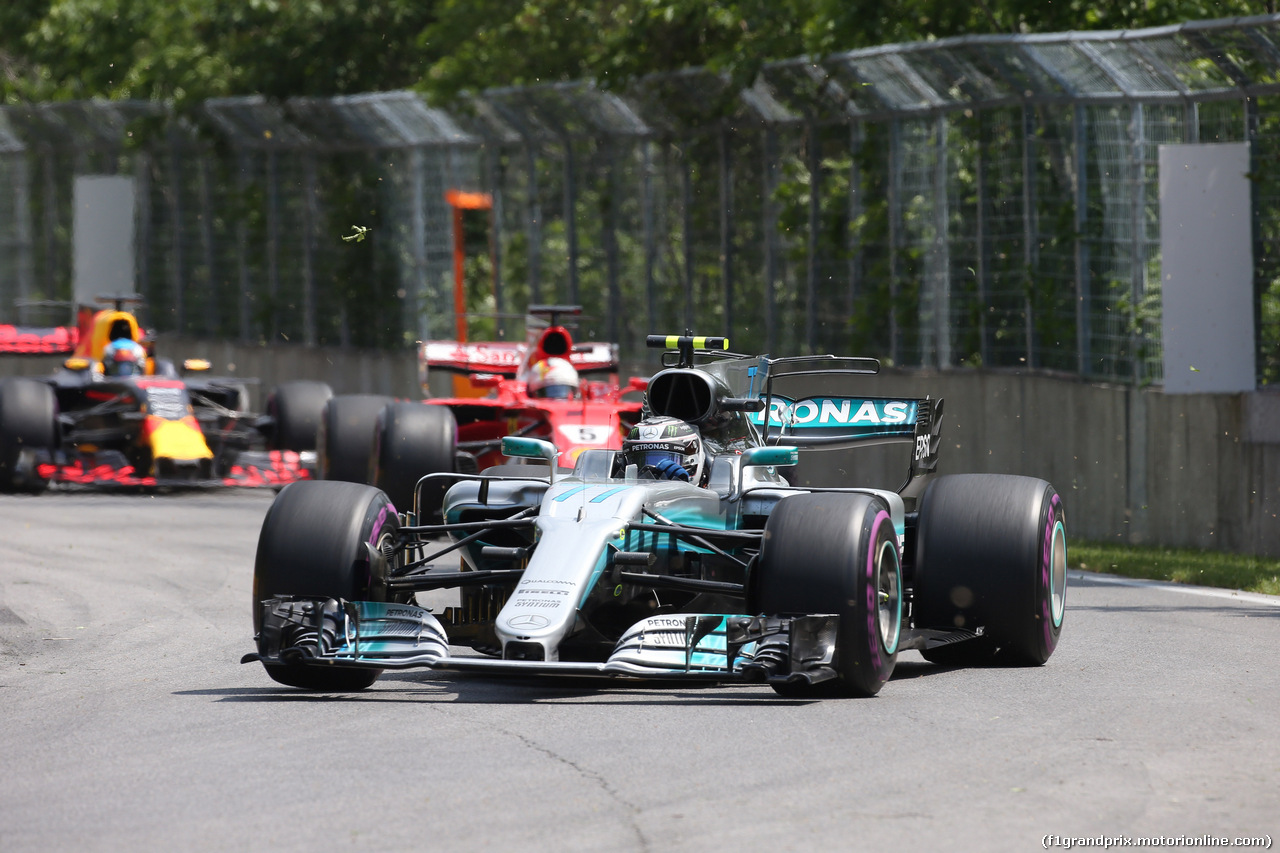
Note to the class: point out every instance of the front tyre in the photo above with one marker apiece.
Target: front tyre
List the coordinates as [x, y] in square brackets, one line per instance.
[312, 545]
[835, 553]
[991, 553]
[28, 421]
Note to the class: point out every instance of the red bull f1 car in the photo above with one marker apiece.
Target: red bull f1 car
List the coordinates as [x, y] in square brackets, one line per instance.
[391, 444]
[732, 575]
[154, 426]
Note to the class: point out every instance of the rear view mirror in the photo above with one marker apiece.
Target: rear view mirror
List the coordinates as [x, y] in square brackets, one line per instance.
[776, 457]
[531, 448]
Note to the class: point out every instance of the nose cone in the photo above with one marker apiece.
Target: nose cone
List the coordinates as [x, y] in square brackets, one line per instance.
[178, 448]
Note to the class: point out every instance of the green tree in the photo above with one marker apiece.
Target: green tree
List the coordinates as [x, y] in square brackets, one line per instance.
[185, 50]
[188, 50]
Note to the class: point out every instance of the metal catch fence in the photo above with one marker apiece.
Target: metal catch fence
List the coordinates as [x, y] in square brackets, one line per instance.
[986, 200]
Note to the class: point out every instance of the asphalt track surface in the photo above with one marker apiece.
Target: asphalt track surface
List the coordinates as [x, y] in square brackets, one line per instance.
[129, 724]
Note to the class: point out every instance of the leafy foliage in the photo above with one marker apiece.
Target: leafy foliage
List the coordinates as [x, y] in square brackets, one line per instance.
[182, 50]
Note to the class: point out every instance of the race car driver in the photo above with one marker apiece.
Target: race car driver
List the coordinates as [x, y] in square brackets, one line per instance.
[552, 379]
[124, 357]
[666, 448]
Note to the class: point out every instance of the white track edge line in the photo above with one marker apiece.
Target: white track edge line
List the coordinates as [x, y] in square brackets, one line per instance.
[1204, 591]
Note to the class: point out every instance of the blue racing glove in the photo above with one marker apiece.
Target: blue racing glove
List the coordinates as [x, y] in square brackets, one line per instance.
[670, 469]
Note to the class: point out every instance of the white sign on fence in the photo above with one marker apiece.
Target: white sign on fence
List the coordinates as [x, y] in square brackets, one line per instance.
[1206, 248]
[102, 236]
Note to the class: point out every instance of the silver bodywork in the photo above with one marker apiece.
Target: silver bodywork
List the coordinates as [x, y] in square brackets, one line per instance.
[580, 522]
[601, 572]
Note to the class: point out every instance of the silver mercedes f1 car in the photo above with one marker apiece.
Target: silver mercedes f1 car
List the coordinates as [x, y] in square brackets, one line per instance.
[618, 568]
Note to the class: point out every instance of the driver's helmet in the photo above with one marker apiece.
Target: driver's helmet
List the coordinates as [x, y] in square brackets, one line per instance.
[552, 378]
[666, 449]
[124, 357]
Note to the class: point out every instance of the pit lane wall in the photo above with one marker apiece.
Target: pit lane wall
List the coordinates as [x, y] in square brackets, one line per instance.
[1132, 465]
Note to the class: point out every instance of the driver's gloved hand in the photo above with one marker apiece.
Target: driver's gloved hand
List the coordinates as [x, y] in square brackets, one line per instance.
[670, 469]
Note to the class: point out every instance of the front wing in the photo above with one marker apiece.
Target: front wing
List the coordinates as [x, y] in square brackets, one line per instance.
[110, 469]
[699, 646]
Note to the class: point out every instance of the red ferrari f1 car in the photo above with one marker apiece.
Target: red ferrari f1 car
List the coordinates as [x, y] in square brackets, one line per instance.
[546, 387]
[115, 415]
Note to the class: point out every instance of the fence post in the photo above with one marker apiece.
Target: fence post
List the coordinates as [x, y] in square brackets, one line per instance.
[22, 230]
[688, 233]
[650, 246]
[310, 217]
[1084, 298]
[417, 318]
[570, 219]
[854, 246]
[611, 238]
[1137, 273]
[769, 229]
[533, 225]
[1259, 250]
[49, 244]
[273, 249]
[212, 308]
[726, 229]
[494, 165]
[1028, 229]
[176, 257]
[242, 246]
[941, 273]
[143, 219]
[980, 269]
[895, 210]
[815, 211]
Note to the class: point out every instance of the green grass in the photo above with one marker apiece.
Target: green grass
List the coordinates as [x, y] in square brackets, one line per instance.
[1180, 565]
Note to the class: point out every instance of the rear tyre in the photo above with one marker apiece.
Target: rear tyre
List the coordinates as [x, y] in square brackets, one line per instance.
[344, 444]
[411, 441]
[835, 553]
[991, 552]
[312, 544]
[28, 421]
[295, 406]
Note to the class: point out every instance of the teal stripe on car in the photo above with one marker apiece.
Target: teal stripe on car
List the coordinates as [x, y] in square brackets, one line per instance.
[603, 496]
[568, 494]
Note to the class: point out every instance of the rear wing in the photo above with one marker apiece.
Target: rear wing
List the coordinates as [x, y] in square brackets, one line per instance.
[38, 340]
[828, 421]
[502, 358]
[505, 358]
[833, 421]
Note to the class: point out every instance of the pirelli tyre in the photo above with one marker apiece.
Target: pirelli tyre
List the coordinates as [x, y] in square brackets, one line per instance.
[412, 440]
[295, 408]
[28, 421]
[344, 444]
[835, 553]
[312, 545]
[991, 553]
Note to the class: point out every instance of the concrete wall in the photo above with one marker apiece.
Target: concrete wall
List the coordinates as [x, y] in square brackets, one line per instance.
[1132, 465]
[348, 371]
